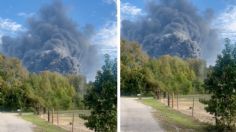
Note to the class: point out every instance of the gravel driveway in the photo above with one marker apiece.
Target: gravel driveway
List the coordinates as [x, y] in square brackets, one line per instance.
[137, 117]
[10, 122]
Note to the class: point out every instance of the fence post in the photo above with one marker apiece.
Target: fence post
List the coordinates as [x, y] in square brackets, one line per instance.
[168, 99]
[73, 118]
[52, 115]
[193, 107]
[57, 119]
[177, 101]
[172, 100]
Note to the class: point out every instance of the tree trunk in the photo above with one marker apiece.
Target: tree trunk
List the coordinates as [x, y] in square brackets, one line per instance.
[158, 94]
[44, 110]
[168, 100]
[52, 115]
[48, 115]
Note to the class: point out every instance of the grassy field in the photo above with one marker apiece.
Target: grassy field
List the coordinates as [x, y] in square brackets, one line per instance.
[42, 125]
[173, 120]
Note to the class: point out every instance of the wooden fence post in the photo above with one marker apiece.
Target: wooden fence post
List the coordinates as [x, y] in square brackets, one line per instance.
[172, 100]
[57, 119]
[193, 107]
[73, 118]
[177, 101]
[168, 99]
[52, 115]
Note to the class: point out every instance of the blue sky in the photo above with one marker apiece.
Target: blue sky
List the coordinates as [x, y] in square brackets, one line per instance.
[217, 5]
[101, 14]
[82, 11]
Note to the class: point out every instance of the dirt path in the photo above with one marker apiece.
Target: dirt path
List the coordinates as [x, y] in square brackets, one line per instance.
[9, 122]
[137, 117]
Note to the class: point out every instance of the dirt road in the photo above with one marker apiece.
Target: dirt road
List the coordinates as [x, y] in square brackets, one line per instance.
[9, 122]
[137, 117]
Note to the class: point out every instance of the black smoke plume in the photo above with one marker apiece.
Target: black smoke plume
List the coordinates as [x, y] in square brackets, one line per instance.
[174, 27]
[53, 42]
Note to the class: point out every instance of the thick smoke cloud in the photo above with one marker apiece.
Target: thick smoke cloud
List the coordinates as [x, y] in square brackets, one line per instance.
[174, 27]
[53, 42]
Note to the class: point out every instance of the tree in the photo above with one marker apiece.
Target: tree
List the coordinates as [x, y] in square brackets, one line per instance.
[102, 99]
[12, 77]
[221, 84]
[81, 87]
[133, 61]
[200, 69]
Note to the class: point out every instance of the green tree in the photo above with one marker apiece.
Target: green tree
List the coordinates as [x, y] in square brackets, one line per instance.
[200, 69]
[12, 77]
[221, 83]
[133, 61]
[102, 99]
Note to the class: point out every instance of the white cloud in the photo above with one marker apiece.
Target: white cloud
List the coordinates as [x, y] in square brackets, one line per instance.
[9, 25]
[106, 39]
[109, 1]
[24, 14]
[226, 23]
[129, 11]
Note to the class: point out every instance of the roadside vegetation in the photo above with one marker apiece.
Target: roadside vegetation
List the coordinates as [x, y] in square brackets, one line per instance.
[173, 120]
[40, 124]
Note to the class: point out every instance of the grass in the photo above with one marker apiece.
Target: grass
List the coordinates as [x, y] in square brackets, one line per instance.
[41, 125]
[173, 120]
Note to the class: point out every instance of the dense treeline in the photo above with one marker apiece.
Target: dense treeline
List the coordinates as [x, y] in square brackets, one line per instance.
[20, 89]
[166, 74]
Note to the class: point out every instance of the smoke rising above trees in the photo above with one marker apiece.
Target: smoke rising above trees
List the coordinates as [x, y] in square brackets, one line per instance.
[54, 42]
[174, 27]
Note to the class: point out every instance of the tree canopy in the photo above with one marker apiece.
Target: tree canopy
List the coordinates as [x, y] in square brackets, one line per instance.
[102, 99]
[221, 84]
[20, 89]
[171, 74]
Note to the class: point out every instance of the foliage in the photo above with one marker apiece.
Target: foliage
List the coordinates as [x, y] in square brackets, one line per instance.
[102, 99]
[36, 91]
[141, 74]
[200, 69]
[173, 74]
[220, 82]
[51, 90]
[133, 60]
[12, 76]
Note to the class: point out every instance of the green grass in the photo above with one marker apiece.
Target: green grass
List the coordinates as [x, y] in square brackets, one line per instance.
[41, 125]
[172, 119]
